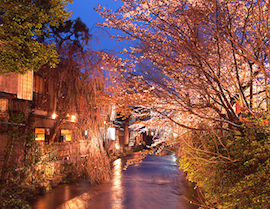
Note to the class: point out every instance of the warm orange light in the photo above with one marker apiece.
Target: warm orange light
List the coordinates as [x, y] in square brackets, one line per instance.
[117, 146]
[73, 118]
[54, 116]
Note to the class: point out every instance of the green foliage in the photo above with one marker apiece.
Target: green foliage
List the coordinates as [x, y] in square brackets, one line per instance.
[25, 22]
[19, 143]
[235, 175]
[12, 198]
[16, 135]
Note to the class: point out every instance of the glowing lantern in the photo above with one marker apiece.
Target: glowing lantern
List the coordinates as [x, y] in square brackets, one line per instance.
[54, 116]
[73, 118]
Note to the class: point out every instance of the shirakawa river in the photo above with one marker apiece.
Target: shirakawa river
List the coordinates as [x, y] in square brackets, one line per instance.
[154, 183]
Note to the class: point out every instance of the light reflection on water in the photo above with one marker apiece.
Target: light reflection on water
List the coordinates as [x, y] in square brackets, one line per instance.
[117, 196]
[154, 183]
[79, 202]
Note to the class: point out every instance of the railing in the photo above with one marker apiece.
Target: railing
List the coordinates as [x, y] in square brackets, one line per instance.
[63, 150]
[19, 105]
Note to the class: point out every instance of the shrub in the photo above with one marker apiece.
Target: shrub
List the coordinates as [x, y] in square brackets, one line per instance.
[231, 170]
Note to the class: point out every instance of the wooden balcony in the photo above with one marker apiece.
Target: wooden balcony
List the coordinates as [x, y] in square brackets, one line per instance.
[41, 101]
[19, 105]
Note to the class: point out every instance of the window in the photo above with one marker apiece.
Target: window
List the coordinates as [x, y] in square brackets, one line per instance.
[40, 134]
[111, 133]
[3, 105]
[66, 135]
[25, 86]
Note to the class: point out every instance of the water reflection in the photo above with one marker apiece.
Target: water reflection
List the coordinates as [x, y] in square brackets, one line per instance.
[77, 202]
[117, 196]
[67, 193]
[154, 183]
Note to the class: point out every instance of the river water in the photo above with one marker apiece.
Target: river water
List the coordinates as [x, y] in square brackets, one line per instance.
[155, 183]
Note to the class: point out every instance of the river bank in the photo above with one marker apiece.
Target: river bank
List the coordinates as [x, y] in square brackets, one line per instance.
[156, 182]
[46, 175]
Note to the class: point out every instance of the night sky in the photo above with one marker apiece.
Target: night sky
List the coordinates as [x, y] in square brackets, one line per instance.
[85, 10]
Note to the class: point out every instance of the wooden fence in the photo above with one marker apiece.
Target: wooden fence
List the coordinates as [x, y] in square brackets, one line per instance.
[63, 150]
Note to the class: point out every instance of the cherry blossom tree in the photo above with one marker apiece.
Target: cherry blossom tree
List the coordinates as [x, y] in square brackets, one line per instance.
[200, 58]
[202, 66]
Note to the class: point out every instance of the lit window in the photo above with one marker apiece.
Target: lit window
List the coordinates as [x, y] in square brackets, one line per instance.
[3, 105]
[25, 86]
[40, 134]
[66, 135]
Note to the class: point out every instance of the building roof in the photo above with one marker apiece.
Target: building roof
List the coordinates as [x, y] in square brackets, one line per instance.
[4, 95]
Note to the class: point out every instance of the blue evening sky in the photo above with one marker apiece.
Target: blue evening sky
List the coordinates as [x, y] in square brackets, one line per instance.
[85, 10]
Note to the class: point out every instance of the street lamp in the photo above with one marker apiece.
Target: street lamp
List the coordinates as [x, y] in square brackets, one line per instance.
[54, 115]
